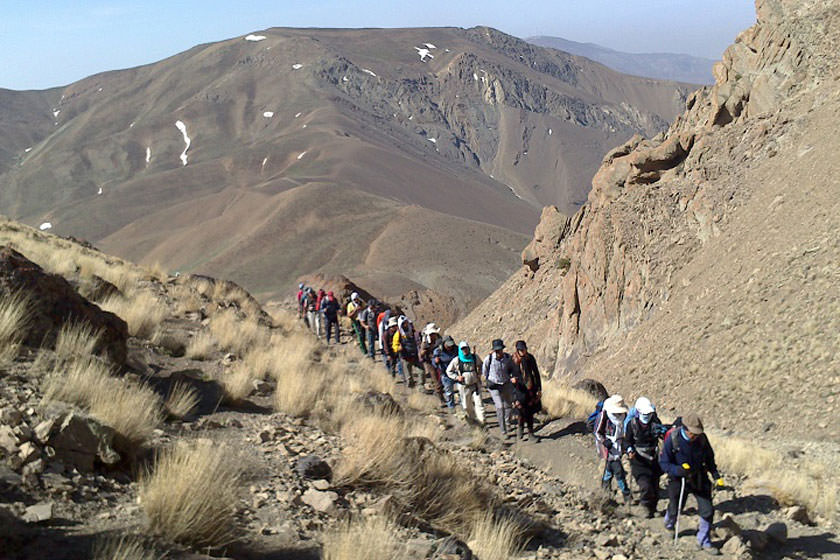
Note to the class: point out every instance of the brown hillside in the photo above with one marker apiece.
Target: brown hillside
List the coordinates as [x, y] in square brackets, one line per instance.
[703, 268]
[314, 128]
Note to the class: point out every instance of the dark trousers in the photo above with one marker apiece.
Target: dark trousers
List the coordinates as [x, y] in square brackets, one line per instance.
[614, 469]
[371, 343]
[703, 495]
[360, 335]
[333, 323]
[646, 473]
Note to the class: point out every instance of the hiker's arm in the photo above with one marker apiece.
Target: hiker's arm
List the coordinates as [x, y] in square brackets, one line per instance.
[667, 460]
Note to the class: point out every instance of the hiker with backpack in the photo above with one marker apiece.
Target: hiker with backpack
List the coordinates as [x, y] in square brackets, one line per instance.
[430, 341]
[367, 320]
[610, 444]
[463, 371]
[354, 306]
[310, 306]
[498, 369]
[391, 357]
[300, 292]
[441, 358]
[404, 345]
[527, 390]
[687, 458]
[319, 316]
[642, 433]
[329, 310]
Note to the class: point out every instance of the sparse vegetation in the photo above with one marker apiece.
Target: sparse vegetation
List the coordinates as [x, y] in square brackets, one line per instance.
[13, 313]
[372, 538]
[237, 383]
[142, 311]
[76, 340]
[496, 537]
[124, 548]
[201, 346]
[190, 494]
[181, 400]
[564, 264]
[563, 402]
[235, 334]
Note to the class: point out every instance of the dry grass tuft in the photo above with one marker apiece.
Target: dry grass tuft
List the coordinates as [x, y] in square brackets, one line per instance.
[124, 548]
[372, 538]
[237, 335]
[142, 311]
[298, 391]
[13, 313]
[76, 340]
[237, 383]
[813, 487]
[496, 538]
[190, 495]
[201, 346]
[181, 401]
[133, 410]
[563, 402]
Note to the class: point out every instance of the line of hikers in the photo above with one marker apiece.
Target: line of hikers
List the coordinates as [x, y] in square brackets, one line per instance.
[434, 362]
[686, 457]
[515, 387]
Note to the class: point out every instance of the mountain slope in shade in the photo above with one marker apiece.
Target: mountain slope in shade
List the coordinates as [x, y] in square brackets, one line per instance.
[663, 66]
[256, 159]
[703, 269]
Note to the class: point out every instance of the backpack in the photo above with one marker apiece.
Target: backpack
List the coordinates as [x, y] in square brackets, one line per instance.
[592, 419]
[674, 429]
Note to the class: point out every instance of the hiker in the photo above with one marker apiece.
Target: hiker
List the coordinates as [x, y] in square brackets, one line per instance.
[319, 317]
[641, 436]
[463, 370]
[353, 309]
[329, 309]
[382, 326]
[392, 359]
[498, 369]
[609, 439]
[311, 307]
[430, 341]
[527, 390]
[687, 458]
[367, 320]
[300, 292]
[404, 345]
[441, 358]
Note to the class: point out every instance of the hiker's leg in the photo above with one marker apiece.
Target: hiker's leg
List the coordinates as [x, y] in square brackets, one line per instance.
[606, 479]
[448, 390]
[507, 403]
[371, 344]
[337, 331]
[647, 492]
[462, 392]
[468, 402]
[621, 478]
[706, 511]
[673, 499]
[478, 404]
[499, 404]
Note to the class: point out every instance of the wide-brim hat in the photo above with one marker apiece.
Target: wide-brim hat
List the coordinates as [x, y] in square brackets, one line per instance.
[615, 405]
[449, 341]
[693, 423]
[392, 322]
[498, 344]
[520, 345]
[431, 328]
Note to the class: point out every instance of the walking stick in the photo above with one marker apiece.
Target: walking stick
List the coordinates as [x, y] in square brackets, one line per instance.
[679, 509]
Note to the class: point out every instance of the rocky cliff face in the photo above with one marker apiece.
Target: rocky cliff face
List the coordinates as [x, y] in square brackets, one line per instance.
[676, 262]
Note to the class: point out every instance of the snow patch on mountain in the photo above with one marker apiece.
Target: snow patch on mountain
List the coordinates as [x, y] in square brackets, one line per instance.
[148, 154]
[423, 54]
[297, 66]
[268, 114]
[45, 226]
[301, 154]
[255, 38]
[371, 72]
[187, 140]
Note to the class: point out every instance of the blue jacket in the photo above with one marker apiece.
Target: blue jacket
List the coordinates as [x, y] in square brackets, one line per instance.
[699, 455]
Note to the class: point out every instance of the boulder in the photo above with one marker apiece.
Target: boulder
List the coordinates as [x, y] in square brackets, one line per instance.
[727, 527]
[82, 442]
[594, 388]
[320, 501]
[8, 440]
[450, 548]
[798, 514]
[53, 303]
[313, 467]
[778, 532]
[380, 403]
[39, 512]
[737, 546]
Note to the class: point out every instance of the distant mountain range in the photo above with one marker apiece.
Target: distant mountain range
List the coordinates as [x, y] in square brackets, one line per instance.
[406, 159]
[663, 66]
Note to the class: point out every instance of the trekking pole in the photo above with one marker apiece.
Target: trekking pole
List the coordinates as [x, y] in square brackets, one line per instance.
[679, 509]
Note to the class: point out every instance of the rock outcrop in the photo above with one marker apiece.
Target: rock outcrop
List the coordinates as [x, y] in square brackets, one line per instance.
[52, 303]
[668, 222]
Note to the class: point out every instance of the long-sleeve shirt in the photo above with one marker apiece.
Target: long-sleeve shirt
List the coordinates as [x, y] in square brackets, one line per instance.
[499, 371]
[699, 455]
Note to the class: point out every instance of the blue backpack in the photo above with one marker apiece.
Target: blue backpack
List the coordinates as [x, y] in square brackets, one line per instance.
[593, 417]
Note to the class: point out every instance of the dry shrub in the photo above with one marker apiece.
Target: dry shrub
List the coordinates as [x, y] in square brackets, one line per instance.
[76, 340]
[190, 494]
[13, 317]
[371, 538]
[237, 335]
[124, 548]
[421, 401]
[425, 480]
[563, 402]
[813, 487]
[237, 383]
[496, 537]
[142, 311]
[261, 361]
[298, 391]
[182, 400]
[201, 346]
[132, 409]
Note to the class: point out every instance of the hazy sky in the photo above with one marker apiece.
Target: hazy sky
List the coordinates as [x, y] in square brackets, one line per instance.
[56, 42]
